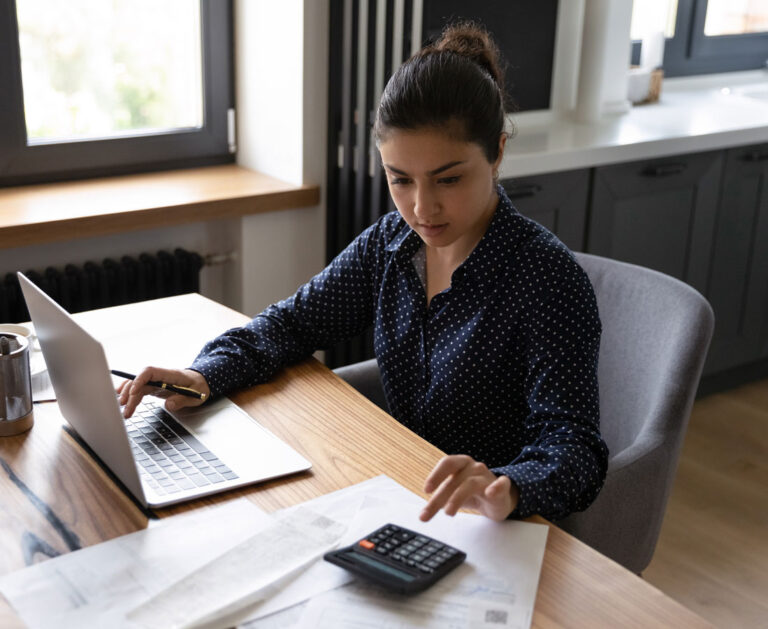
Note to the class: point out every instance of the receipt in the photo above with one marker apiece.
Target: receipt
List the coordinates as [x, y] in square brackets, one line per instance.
[245, 574]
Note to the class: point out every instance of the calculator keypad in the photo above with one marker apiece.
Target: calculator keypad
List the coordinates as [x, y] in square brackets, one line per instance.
[408, 548]
[398, 559]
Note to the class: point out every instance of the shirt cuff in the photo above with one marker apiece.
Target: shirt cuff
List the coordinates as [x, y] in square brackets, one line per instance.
[212, 369]
[535, 494]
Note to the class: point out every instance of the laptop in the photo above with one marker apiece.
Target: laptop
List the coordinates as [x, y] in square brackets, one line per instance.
[162, 458]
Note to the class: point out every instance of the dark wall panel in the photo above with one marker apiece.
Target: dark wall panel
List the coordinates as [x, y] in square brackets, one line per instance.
[525, 33]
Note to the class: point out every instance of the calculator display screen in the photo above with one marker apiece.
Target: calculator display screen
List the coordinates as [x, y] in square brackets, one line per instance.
[383, 567]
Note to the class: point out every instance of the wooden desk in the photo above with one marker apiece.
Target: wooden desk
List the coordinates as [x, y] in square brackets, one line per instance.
[55, 499]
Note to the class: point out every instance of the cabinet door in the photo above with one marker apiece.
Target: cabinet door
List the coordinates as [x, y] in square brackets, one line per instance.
[738, 289]
[556, 200]
[658, 213]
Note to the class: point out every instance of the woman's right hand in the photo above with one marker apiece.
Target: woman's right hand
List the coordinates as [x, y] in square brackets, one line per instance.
[132, 391]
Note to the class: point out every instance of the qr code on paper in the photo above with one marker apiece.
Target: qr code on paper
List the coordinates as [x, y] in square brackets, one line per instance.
[495, 614]
[496, 617]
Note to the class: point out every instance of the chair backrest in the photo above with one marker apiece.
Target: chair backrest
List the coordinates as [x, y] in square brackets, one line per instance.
[656, 332]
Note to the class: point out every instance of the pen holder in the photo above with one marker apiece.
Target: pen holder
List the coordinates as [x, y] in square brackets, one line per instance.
[16, 414]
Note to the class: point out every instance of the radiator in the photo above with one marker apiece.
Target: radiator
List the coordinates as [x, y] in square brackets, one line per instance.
[109, 283]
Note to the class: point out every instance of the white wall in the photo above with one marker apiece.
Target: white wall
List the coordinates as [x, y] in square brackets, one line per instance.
[281, 74]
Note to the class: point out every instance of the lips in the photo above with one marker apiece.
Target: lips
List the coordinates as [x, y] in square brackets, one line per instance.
[432, 230]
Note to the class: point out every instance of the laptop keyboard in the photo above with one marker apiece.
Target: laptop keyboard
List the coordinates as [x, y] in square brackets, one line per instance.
[170, 458]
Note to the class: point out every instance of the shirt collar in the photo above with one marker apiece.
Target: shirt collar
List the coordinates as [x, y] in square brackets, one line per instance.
[499, 231]
[405, 243]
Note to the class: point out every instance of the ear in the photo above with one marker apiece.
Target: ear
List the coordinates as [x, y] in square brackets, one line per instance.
[502, 143]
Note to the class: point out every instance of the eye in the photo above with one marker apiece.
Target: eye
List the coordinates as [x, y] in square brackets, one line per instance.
[399, 181]
[449, 180]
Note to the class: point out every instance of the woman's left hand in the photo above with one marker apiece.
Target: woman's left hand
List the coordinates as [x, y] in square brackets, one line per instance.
[459, 481]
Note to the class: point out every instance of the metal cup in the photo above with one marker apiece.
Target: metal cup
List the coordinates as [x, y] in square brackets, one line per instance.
[15, 385]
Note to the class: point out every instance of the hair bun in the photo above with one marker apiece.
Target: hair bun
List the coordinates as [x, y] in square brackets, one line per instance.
[472, 40]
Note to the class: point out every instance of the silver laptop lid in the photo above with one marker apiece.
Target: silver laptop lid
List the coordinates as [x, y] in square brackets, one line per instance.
[80, 377]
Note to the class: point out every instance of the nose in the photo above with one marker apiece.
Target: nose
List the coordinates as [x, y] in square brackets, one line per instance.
[426, 205]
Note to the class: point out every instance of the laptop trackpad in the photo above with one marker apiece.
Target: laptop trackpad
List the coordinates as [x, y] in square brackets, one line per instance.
[239, 440]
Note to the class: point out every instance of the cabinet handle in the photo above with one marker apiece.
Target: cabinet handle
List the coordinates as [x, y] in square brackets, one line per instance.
[754, 156]
[523, 190]
[663, 170]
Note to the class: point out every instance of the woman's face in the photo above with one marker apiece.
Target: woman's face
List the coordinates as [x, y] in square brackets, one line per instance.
[442, 187]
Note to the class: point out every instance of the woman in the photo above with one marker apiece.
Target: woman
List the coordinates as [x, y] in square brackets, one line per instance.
[486, 330]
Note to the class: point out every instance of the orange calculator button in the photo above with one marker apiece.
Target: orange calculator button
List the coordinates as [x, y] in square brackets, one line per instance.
[367, 544]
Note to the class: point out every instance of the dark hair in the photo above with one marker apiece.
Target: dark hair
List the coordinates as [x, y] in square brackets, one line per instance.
[456, 83]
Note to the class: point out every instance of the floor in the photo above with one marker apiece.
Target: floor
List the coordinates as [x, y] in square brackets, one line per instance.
[712, 555]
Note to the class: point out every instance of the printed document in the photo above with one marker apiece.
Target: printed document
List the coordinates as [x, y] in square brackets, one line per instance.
[233, 563]
[244, 574]
[96, 586]
[495, 588]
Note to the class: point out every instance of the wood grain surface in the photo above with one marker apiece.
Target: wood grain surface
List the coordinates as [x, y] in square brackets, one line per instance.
[50, 212]
[712, 554]
[54, 498]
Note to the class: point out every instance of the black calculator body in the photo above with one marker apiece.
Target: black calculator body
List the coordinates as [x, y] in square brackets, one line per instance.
[398, 559]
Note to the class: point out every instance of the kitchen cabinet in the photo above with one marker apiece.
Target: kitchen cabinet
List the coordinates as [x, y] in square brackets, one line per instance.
[738, 287]
[658, 213]
[556, 200]
[702, 218]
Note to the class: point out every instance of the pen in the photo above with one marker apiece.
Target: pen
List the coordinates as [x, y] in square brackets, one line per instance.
[163, 385]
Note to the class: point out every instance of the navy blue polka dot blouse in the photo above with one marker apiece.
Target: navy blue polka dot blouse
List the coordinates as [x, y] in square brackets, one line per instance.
[501, 366]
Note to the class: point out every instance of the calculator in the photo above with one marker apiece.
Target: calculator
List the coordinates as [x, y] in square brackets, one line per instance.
[398, 559]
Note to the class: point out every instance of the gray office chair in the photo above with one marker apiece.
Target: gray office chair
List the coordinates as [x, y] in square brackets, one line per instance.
[656, 332]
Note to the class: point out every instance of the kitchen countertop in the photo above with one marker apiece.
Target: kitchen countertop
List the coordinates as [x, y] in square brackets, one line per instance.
[693, 114]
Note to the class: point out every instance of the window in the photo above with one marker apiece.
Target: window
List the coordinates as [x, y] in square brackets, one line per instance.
[735, 17]
[653, 15]
[705, 36]
[91, 88]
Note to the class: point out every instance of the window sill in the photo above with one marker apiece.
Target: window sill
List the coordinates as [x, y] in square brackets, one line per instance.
[31, 215]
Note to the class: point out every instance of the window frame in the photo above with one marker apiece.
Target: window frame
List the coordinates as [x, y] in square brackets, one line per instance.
[691, 52]
[21, 163]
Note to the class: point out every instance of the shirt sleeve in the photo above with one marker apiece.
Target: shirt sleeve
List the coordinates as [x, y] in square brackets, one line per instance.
[563, 467]
[335, 305]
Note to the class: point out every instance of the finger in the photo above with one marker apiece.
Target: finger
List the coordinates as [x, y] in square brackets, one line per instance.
[124, 390]
[503, 496]
[441, 498]
[159, 374]
[445, 467]
[176, 402]
[133, 398]
[135, 390]
[499, 487]
[472, 487]
[193, 380]
[500, 499]
[449, 485]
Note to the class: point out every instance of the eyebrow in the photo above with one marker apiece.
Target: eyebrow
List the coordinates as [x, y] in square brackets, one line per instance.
[431, 173]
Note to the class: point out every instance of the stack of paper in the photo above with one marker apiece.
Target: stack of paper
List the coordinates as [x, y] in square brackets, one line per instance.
[234, 564]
